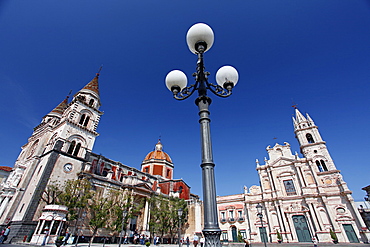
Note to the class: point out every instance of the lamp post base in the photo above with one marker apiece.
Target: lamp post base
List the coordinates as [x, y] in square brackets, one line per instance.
[212, 238]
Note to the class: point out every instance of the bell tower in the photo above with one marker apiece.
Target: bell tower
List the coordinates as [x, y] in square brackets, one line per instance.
[55, 151]
[311, 143]
[81, 120]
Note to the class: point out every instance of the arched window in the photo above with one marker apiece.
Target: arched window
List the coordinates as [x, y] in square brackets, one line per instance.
[323, 165]
[77, 149]
[86, 121]
[319, 166]
[91, 102]
[71, 147]
[309, 138]
[82, 119]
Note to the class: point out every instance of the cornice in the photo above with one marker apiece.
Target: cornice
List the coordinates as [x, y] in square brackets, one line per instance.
[82, 127]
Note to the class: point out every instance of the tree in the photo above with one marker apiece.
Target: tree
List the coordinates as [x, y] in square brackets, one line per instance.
[278, 236]
[333, 236]
[123, 200]
[99, 213]
[174, 205]
[75, 196]
[240, 237]
[164, 217]
[51, 193]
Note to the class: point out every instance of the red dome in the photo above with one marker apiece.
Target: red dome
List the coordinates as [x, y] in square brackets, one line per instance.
[158, 154]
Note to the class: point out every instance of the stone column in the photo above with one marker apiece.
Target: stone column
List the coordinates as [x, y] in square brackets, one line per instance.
[146, 217]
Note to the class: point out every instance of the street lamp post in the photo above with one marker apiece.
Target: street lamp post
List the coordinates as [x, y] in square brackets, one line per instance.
[260, 215]
[179, 213]
[124, 214]
[78, 234]
[200, 39]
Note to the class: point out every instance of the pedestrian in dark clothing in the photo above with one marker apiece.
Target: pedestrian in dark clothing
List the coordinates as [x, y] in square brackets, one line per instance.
[66, 237]
[4, 237]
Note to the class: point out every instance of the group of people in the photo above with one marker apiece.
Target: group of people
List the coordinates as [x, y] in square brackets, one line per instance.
[141, 239]
[4, 234]
[196, 241]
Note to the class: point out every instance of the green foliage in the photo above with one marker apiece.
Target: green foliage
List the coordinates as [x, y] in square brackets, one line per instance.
[333, 235]
[278, 235]
[99, 209]
[76, 194]
[147, 243]
[123, 201]
[164, 217]
[240, 237]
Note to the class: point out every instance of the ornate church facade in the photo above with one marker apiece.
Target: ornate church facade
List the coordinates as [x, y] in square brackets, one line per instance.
[60, 149]
[301, 198]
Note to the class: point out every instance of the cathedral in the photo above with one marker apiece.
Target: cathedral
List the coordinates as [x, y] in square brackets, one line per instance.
[60, 149]
[299, 198]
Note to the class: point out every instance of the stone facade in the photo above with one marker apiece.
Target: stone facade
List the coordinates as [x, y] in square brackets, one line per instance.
[364, 207]
[301, 198]
[4, 173]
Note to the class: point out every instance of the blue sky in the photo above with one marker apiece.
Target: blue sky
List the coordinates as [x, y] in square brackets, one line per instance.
[315, 53]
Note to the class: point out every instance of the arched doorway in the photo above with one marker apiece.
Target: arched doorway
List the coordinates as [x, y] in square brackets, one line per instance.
[234, 233]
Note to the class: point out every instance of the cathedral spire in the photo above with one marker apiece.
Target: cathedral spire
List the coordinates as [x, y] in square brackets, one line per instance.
[58, 111]
[299, 117]
[90, 94]
[93, 86]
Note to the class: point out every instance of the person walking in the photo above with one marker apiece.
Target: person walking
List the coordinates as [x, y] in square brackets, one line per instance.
[315, 242]
[5, 235]
[66, 237]
[195, 240]
[156, 240]
[187, 241]
[201, 241]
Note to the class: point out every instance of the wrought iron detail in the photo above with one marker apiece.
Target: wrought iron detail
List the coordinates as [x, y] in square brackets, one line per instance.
[202, 84]
[212, 238]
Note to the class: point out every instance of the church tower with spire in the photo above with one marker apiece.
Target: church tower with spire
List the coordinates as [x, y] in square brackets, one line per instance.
[301, 197]
[311, 143]
[57, 150]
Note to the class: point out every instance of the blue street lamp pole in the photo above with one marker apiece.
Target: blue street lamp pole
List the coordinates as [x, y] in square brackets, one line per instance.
[263, 230]
[200, 39]
[124, 214]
